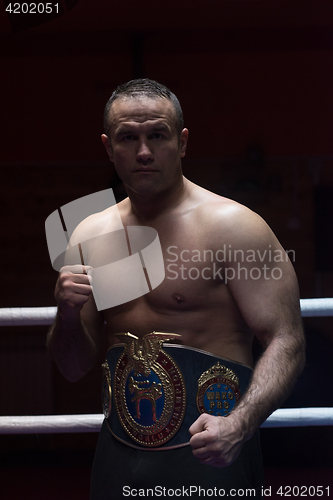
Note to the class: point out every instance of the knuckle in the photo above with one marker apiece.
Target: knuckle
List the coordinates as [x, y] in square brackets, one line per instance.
[63, 277]
[66, 284]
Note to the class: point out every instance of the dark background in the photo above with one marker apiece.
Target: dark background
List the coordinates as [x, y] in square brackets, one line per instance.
[255, 81]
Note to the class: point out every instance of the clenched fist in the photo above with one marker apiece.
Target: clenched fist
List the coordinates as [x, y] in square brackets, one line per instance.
[73, 288]
[216, 441]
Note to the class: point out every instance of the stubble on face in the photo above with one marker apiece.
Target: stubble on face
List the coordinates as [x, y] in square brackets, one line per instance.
[153, 123]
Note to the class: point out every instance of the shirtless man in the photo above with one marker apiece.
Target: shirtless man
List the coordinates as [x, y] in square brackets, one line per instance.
[220, 312]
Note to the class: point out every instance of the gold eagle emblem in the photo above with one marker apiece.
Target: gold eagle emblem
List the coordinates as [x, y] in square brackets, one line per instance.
[143, 352]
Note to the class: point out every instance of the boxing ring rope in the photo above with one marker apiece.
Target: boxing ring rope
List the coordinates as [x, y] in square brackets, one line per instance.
[34, 316]
[27, 316]
[53, 424]
[47, 424]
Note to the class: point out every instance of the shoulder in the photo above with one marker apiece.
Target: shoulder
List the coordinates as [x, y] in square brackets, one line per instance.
[235, 223]
[97, 225]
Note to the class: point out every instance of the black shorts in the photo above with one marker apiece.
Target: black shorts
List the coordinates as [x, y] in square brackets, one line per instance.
[120, 472]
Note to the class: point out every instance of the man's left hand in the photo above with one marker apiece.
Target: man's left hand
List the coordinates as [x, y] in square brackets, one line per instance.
[216, 441]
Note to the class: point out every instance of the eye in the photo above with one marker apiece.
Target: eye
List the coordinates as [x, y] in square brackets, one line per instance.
[156, 136]
[128, 138]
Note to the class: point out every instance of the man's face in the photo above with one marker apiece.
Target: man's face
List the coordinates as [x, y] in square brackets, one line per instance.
[144, 144]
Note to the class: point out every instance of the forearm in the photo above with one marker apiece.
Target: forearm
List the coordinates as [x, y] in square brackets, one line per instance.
[273, 379]
[71, 346]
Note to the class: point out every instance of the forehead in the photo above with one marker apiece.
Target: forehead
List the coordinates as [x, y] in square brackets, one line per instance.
[141, 110]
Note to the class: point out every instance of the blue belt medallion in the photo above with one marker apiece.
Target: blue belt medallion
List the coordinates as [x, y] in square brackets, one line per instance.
[218, 391]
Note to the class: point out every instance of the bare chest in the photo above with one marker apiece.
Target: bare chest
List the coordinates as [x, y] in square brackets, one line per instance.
[193, 280]
[192, 300]
[193, 276]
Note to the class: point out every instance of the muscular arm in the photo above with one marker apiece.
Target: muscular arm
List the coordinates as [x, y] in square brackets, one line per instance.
[276, 371]
[271, 309]
[75, 335]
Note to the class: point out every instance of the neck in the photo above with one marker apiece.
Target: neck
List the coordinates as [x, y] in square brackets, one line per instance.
[149, 206]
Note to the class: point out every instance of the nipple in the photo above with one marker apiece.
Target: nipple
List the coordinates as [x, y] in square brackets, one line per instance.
[178, 297]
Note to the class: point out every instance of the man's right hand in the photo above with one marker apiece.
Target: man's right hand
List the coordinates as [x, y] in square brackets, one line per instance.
[73, 288]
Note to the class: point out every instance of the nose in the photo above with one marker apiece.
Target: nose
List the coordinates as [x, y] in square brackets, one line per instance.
[144, 152]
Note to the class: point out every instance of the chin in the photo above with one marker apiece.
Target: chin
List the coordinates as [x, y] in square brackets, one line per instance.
[146, 186]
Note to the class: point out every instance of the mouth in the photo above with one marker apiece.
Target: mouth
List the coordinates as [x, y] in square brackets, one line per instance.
[145, 170]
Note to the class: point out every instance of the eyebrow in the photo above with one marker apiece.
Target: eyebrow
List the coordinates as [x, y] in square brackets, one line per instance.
[160, 128]
[122, 131]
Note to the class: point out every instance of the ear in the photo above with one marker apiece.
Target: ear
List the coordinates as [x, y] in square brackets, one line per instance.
[107, 145]
[183, 142]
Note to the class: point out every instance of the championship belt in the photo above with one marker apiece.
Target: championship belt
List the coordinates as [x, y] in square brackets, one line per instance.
[152, 391]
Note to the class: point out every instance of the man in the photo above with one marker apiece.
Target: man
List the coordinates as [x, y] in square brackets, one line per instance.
[242, 285]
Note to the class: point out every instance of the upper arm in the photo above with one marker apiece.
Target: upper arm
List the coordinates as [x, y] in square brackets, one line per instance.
[262, 279]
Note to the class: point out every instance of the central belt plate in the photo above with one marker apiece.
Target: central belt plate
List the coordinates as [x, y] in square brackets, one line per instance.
[149, 389]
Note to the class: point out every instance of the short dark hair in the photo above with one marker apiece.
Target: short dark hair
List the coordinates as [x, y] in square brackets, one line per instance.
[143, 87]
